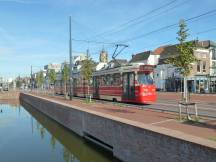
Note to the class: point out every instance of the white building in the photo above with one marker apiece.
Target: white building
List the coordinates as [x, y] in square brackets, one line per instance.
[53, 66]
[203, 72]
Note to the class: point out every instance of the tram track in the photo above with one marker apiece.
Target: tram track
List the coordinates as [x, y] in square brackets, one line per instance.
[203, 109]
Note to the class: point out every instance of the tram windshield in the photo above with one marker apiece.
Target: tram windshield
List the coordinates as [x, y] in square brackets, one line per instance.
[145, 79]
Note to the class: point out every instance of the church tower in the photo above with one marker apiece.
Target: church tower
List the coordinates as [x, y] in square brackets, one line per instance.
[103, 56]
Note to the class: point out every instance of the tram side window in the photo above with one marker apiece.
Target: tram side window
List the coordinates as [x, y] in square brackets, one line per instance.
[96, 81]
[78, 81]
[125, 83]
[116, 79]
[90, 82]
[104, 80]
[108, 80]
[111, 80]
[100, 80]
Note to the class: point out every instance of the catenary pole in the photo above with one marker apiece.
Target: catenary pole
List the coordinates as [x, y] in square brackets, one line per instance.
[71, 60]
[31, 79]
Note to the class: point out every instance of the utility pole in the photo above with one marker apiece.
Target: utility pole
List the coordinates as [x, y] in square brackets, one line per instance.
[87, 53]
[71, 60]
[31, 79]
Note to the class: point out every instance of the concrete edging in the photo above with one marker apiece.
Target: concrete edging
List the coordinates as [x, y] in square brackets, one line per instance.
[130, 140]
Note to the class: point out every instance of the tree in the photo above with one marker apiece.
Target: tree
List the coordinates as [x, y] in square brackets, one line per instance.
[52, 76]
[186, 56]
[87, 70]
[40, 79]
[18, 83]
[65, 77]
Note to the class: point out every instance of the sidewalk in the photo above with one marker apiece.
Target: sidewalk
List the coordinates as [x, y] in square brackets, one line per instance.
[205, 130]
[176, 96]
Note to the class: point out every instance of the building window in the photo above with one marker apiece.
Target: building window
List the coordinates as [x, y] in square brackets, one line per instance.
[214, 67]
[213, 54]
[204, 66]
[198, 66]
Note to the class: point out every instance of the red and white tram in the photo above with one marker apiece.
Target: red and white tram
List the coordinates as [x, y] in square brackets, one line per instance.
[131, 83]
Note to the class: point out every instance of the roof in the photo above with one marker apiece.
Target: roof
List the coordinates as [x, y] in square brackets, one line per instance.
[172, 51]
[121, 61]
[159, 50]
[141, 56]
[116, 63]
[205, 44]
[169, 51]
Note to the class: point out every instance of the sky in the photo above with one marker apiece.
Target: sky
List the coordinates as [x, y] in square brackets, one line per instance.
[36, 32]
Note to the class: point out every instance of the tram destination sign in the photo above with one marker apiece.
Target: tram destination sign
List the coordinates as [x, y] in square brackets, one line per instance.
[146, 68]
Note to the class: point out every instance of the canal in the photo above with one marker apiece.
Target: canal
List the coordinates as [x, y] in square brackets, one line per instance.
[28, 135]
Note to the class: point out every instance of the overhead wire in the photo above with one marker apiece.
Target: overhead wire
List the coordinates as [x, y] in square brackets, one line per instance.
[190, 20]
[142, 20]
[195, 18]
[171, 40]
[137, 18]
[94, 42]
[206, 31]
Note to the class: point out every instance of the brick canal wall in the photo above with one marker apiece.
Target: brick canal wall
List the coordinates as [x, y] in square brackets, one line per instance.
[130, 141]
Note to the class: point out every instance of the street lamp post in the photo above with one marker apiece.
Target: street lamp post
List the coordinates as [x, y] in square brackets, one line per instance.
[71, 60]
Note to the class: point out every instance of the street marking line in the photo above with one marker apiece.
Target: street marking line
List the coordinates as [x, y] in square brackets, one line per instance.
[164, 121]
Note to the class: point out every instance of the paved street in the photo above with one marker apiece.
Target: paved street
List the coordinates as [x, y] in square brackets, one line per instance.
[206, 103]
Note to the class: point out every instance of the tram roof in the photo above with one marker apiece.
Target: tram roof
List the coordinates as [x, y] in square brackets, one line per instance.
[120, 69]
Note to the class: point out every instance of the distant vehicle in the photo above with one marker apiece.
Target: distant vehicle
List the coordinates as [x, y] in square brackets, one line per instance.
[132, 83]
[5, 87]
[1, 88]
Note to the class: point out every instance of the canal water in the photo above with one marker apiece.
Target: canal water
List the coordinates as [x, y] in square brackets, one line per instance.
[27, 135]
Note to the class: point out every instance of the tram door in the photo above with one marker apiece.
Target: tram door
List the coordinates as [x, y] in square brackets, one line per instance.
[96, 87]
[128, 86]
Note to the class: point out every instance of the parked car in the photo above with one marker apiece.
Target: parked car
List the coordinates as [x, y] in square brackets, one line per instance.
[5, 88]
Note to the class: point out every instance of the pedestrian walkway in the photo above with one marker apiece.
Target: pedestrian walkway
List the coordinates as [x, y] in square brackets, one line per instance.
[206, 129]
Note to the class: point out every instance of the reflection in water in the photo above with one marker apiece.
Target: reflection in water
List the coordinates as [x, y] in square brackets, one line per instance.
[68, 157]
[12, 103]
[53, 142]
[42, 132]
[31, 136]
[75, 149]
